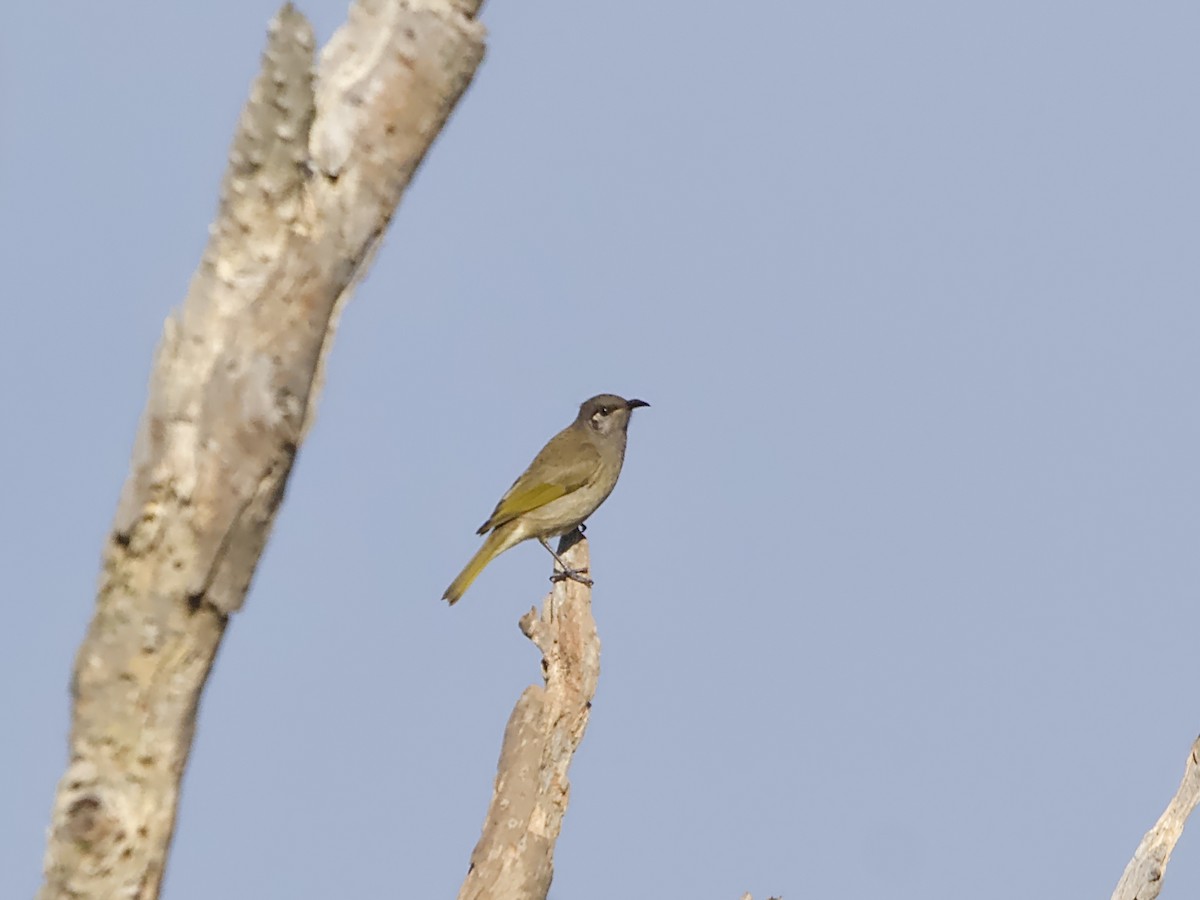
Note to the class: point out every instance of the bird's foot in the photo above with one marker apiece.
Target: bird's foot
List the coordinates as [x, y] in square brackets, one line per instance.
[579, 575]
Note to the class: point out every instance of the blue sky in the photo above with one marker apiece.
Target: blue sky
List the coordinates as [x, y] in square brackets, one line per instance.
[898, 590]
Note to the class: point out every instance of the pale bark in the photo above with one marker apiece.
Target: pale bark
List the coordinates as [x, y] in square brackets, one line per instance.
[1144, 875]
[514, 859]
[319, 161]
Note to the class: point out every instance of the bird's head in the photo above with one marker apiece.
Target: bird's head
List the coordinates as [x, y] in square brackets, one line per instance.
[607, 413]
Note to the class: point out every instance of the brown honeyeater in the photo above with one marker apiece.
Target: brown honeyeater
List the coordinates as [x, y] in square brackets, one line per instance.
[566, 482]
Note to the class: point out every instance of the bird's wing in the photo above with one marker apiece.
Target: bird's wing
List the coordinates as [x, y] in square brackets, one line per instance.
[533, 491]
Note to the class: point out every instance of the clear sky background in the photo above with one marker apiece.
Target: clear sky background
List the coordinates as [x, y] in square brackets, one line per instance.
[898, 592]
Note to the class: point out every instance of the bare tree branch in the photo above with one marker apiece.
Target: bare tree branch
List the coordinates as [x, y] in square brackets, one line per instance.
[1144, 874]
[514, 859]
[317, 165]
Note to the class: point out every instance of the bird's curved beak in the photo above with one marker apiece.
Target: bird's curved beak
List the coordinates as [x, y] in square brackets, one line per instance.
[634, 404]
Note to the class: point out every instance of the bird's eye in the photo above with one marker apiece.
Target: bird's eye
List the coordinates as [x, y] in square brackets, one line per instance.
[604, 410]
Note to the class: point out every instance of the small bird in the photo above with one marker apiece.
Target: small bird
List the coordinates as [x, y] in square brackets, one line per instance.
[565, 483]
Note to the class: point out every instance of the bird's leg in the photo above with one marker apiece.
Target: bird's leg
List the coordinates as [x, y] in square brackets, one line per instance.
[567, 571]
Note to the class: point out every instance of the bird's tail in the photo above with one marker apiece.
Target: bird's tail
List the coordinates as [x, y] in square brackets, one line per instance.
[496, 543]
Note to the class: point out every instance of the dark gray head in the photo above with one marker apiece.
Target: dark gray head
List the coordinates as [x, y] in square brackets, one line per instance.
[607, 413]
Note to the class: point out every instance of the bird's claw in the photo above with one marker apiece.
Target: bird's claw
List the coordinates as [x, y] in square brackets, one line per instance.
[573, 575]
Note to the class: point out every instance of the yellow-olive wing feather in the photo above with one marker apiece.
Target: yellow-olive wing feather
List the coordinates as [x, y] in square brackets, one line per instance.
[553, 473]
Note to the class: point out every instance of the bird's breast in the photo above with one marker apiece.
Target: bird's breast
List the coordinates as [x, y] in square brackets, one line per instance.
[567, 512]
